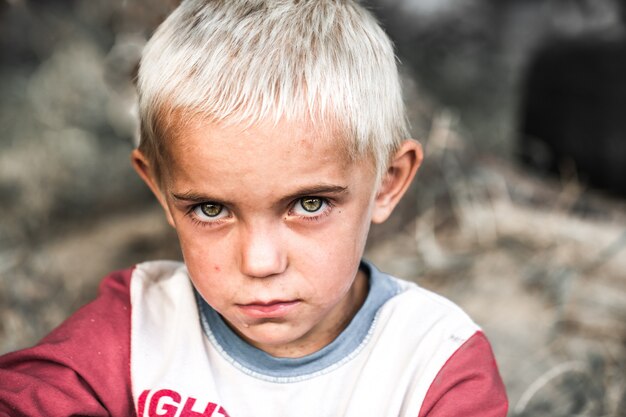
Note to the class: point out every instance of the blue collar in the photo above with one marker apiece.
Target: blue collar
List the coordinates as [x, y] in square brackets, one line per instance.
[265, 366]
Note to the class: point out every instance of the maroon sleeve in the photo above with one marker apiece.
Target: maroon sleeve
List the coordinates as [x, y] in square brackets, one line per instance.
[81, 368]
[468, 385]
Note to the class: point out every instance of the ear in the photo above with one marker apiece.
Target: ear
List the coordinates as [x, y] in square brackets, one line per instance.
[397, 179]
[145, 171]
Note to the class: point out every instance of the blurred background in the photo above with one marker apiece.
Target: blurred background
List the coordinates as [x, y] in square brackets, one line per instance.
[518, 214]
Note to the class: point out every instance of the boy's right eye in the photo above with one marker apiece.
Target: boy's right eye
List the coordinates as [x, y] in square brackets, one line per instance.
[208, 212]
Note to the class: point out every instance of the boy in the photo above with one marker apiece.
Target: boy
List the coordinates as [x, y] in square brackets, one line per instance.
[272, 135]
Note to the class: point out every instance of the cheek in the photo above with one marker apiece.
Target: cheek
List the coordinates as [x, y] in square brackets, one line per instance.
[328, 249]
[334, 263]
[202, 246]
[211, 282]
[206, 262]
[354, 227]
[196, 255]
[345, 237]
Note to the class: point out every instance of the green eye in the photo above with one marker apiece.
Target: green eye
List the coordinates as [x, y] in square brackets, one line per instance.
[211, 210]
[311, 204]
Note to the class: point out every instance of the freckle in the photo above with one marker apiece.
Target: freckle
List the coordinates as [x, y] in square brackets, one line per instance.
[217, 268]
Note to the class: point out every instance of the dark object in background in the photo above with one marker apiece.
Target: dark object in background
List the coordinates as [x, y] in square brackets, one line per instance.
[574, 110]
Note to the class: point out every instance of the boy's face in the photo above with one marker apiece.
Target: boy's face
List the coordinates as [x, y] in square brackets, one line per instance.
[272, 222]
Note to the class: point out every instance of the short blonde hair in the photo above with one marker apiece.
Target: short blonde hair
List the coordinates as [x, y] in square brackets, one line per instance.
[246, 61]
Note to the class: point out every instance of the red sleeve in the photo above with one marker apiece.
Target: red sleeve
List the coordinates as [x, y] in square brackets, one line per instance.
[81, 368]
[468, 385]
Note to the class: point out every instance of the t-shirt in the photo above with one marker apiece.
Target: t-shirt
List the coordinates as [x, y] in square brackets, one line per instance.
[149, 345]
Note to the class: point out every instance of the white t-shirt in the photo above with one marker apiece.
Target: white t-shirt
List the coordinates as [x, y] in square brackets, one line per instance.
[183, 355]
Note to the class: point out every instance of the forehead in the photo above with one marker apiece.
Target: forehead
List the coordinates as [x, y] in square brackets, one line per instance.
[271, 151]
[238, 140]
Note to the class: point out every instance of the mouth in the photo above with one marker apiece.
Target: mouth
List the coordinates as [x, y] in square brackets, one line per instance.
[268, 309]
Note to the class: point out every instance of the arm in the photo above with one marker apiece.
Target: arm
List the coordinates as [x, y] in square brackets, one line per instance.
[468, 385]
[81, 368]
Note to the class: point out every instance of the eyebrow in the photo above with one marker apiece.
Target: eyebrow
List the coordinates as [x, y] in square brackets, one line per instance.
[318, 189]
[192, 197]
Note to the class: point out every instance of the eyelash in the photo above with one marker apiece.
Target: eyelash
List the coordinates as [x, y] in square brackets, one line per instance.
[212, 223]
[203, 223]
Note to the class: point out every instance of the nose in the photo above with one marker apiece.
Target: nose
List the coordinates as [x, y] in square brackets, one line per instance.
[262, 251]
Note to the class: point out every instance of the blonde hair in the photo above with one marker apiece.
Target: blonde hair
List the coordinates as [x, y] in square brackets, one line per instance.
[246, 61]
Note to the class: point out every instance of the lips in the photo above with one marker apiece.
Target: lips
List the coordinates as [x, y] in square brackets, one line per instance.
[270, 309]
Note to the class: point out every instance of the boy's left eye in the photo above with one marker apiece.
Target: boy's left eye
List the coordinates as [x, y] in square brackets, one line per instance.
[309, 206]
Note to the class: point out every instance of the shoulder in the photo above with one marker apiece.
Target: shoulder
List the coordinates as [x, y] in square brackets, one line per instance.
[423, 328]
[157, 272]
[468, 384]
[452, 363]
[162, 283]
[83, 366]
[156, 277]
[430, 317]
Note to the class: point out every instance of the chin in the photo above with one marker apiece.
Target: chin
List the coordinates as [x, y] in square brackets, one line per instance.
[273, 340]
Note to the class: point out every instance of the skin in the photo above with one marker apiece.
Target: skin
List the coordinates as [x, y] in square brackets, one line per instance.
[284, 278]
